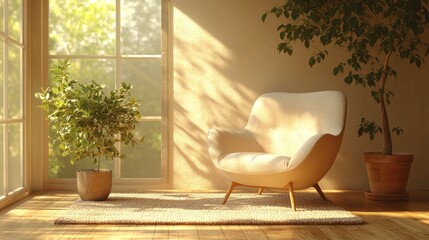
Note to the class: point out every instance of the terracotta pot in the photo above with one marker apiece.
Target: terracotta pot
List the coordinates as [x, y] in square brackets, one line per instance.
[94, 185]
[388, 175]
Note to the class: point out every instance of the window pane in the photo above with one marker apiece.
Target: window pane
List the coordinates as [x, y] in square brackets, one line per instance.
[2, 82]
[15, 163]
[15, 19]
[141, 27]
[144, 159]
[145, 75]
[86, 70]
[2, 193]
[60, 167]
[14, 83]
[82, 27]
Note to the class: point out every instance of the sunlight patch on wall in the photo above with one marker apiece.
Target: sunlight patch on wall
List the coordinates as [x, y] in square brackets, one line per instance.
[205, 96]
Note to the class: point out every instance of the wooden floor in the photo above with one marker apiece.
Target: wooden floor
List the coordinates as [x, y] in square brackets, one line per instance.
[33, 217]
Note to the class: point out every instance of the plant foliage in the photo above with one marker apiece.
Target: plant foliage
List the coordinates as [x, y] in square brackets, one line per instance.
[89, 122]
[371, 31]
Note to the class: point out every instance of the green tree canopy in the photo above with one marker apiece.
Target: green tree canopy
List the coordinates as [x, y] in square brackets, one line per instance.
[371, 32]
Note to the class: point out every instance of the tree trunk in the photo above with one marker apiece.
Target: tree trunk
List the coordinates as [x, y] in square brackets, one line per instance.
[387, 139]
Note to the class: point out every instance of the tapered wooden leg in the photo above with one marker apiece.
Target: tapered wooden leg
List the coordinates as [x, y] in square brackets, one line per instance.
[260, 190]
[291, 195]
[319, 190]
[230, 189]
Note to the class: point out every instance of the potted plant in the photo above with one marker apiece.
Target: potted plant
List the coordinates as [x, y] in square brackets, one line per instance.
[371, 32]
[88, 124]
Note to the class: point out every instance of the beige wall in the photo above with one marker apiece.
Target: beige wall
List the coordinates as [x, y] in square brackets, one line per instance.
[224, 57]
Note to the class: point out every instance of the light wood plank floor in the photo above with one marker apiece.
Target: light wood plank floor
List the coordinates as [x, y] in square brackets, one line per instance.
[32, 218]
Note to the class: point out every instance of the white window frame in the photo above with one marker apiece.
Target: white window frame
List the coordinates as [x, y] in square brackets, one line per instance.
[12, 196]
[118, 182]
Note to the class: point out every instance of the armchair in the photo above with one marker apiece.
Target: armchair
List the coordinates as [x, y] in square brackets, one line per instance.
[290, 142]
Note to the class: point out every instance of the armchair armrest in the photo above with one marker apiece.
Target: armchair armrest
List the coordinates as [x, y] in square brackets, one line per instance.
[222, 142]
[322, 146]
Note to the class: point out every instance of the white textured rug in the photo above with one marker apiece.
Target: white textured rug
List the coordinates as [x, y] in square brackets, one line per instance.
[207, 208]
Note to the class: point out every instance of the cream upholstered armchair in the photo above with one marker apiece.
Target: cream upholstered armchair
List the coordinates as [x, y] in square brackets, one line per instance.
[290, 141]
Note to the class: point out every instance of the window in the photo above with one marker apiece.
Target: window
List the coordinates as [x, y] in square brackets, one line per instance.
[114, 41]
[12, 164]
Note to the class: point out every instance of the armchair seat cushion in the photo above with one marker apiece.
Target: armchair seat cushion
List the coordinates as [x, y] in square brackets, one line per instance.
[254, 162]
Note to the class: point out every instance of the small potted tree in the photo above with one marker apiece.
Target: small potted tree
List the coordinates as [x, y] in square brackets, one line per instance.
[371, 32]
[88, 123]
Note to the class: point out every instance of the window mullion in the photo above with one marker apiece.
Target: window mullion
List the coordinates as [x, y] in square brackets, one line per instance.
[81, 57]
[118, 74]
[4, 173]
[138, 57]
[5, 99]
[13, 120]
[6, 159]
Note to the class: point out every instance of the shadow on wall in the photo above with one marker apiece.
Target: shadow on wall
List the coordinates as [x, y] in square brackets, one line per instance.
[208, 92]
[224, 57]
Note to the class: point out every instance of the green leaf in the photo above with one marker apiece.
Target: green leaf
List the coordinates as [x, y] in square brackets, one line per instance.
[286, 14]
[418, 62]
[312, 61]
[281, 46]
[369, 127]
[278, 12]
[274, 10]
[282, 35]
[353, 22]
[264, 16]
[397, 130]
[348, 79]
[307, 43]
[294, 14]
[324, 39]
[376, 96]
[336, 22]
[360, 131]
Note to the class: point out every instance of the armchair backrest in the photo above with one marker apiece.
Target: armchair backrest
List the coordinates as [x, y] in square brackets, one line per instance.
[281, 122]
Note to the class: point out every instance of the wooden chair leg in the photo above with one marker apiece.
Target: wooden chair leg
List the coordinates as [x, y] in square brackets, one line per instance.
[230, 189]
[291, 195]
[319, 190]
[260, 191]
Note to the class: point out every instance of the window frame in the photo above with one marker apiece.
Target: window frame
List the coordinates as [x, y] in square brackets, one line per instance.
[120, 183]
[15, 195]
